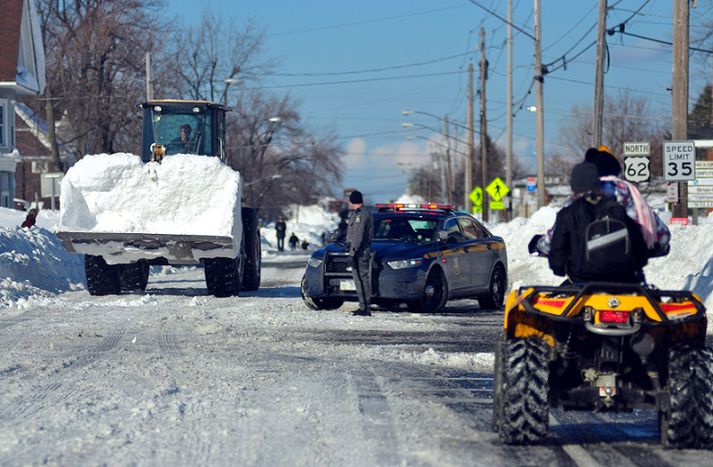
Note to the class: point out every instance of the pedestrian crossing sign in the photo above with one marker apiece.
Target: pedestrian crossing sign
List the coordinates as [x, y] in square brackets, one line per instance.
[497, 189]
[476, 196]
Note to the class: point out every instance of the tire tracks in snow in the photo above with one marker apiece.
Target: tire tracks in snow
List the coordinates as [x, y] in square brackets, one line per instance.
[376, 418]
[45, 397]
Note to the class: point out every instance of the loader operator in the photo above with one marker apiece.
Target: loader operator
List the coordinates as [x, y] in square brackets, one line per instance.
[183, 142]
[593, 238]
[360, 230]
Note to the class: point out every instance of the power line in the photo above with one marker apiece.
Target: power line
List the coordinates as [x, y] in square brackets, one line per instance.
[576, 25]
[352, 81]
[375, 70]
[623, 32]
[491, 12]
[576, 81]
[368, 21]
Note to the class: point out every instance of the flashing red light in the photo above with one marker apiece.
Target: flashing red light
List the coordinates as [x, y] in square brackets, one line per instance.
[613, 317]
[399, 206]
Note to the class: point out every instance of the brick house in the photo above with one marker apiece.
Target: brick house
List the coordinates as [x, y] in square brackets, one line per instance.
[22, 72]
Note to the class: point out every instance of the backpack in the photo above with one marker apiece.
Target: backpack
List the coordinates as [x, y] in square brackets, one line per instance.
[608, 248]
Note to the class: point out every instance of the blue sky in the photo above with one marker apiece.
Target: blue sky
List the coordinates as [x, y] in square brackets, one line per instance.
[322, 37]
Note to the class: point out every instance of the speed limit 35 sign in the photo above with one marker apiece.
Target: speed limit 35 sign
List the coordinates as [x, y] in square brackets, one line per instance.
[679, 161]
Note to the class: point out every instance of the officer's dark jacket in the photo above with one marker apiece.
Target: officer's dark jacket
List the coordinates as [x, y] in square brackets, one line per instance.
[281, 228]
[360, 230]
[567, 255]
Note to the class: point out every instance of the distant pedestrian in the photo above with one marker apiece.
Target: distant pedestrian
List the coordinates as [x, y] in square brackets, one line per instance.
[304, 245]
[360, 230]
[280, 232]
[293, 241]
[30, 219]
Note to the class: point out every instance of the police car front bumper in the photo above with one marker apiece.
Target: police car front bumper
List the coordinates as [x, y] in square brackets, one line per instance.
[333, 278]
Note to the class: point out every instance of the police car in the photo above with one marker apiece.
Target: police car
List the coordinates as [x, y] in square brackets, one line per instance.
[424, 255]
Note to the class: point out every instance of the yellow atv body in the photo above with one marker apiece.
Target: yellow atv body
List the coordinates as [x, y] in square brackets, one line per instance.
[604, 346]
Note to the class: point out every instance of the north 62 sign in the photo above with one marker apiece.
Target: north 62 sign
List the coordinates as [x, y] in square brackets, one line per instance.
[679, 159]
[637, 168]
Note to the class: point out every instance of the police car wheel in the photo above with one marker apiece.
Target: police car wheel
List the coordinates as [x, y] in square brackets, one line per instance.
[493, 300]
[316, 303]
[435, 294]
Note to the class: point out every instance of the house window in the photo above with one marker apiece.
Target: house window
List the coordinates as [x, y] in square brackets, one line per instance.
[3, 106]
[5, 192]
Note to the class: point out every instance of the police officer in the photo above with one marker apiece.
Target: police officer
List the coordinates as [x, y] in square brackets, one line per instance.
[360, 229]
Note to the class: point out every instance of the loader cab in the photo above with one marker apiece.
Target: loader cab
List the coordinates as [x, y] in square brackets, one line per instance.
[184, 127]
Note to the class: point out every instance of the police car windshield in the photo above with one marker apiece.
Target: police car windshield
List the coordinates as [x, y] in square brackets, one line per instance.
[405, 229]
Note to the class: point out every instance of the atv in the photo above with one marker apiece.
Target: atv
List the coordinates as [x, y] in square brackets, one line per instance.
[605, 347]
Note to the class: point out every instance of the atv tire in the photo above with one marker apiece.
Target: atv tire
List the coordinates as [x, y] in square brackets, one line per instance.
[498, 375]
[102, 278]
[521, 405]
[133, 277]
[688, 423]
[253, 251]
[493, 300]
[223, 275]
[315, 303]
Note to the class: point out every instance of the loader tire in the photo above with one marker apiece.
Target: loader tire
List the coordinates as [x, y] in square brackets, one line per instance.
[688, 422]
[222, 276]
[133, 277]
[523, 405]
[102, 278]
[253, 250]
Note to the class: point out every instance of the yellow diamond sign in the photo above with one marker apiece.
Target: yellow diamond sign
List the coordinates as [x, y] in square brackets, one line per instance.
[497, 189]
[476, 196]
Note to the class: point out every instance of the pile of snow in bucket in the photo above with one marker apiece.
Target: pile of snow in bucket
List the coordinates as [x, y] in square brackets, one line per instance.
[33, 263]
[185, 194]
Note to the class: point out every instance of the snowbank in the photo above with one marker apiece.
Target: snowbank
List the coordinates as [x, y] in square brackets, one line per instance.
[185, 194]
[688, 266]
[34, 265]
[307, 223]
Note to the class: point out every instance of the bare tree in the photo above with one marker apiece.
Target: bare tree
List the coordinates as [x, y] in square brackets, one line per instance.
[205, 60]
[281, 161]
[627, 117]
[95, 55]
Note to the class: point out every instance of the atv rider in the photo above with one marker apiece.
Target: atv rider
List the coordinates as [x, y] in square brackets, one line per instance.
[581, 250]
[656, 234]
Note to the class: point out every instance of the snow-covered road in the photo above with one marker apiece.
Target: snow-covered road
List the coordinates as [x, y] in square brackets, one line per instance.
[177, 377]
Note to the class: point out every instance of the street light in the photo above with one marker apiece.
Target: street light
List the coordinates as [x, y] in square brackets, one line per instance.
[228, 82]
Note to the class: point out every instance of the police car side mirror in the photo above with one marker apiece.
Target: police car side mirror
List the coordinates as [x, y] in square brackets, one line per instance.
[443, 236]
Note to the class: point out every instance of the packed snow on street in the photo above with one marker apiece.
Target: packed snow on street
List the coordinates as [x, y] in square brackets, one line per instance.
[176, 376]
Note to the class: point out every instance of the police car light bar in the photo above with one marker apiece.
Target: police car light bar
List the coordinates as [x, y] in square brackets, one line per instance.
[402, 206]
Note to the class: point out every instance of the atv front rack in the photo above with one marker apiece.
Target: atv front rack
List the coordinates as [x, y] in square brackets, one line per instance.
[653, 296]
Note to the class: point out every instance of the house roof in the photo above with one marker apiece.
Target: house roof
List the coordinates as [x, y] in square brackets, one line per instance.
[10, 28]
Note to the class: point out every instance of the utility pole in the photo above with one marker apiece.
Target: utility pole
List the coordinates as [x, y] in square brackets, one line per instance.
[483, 122]
[508, 151]
[471, 149]
[539, 80]
[679, 127]
[149, 82]
[599, 79]
[449, 175]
